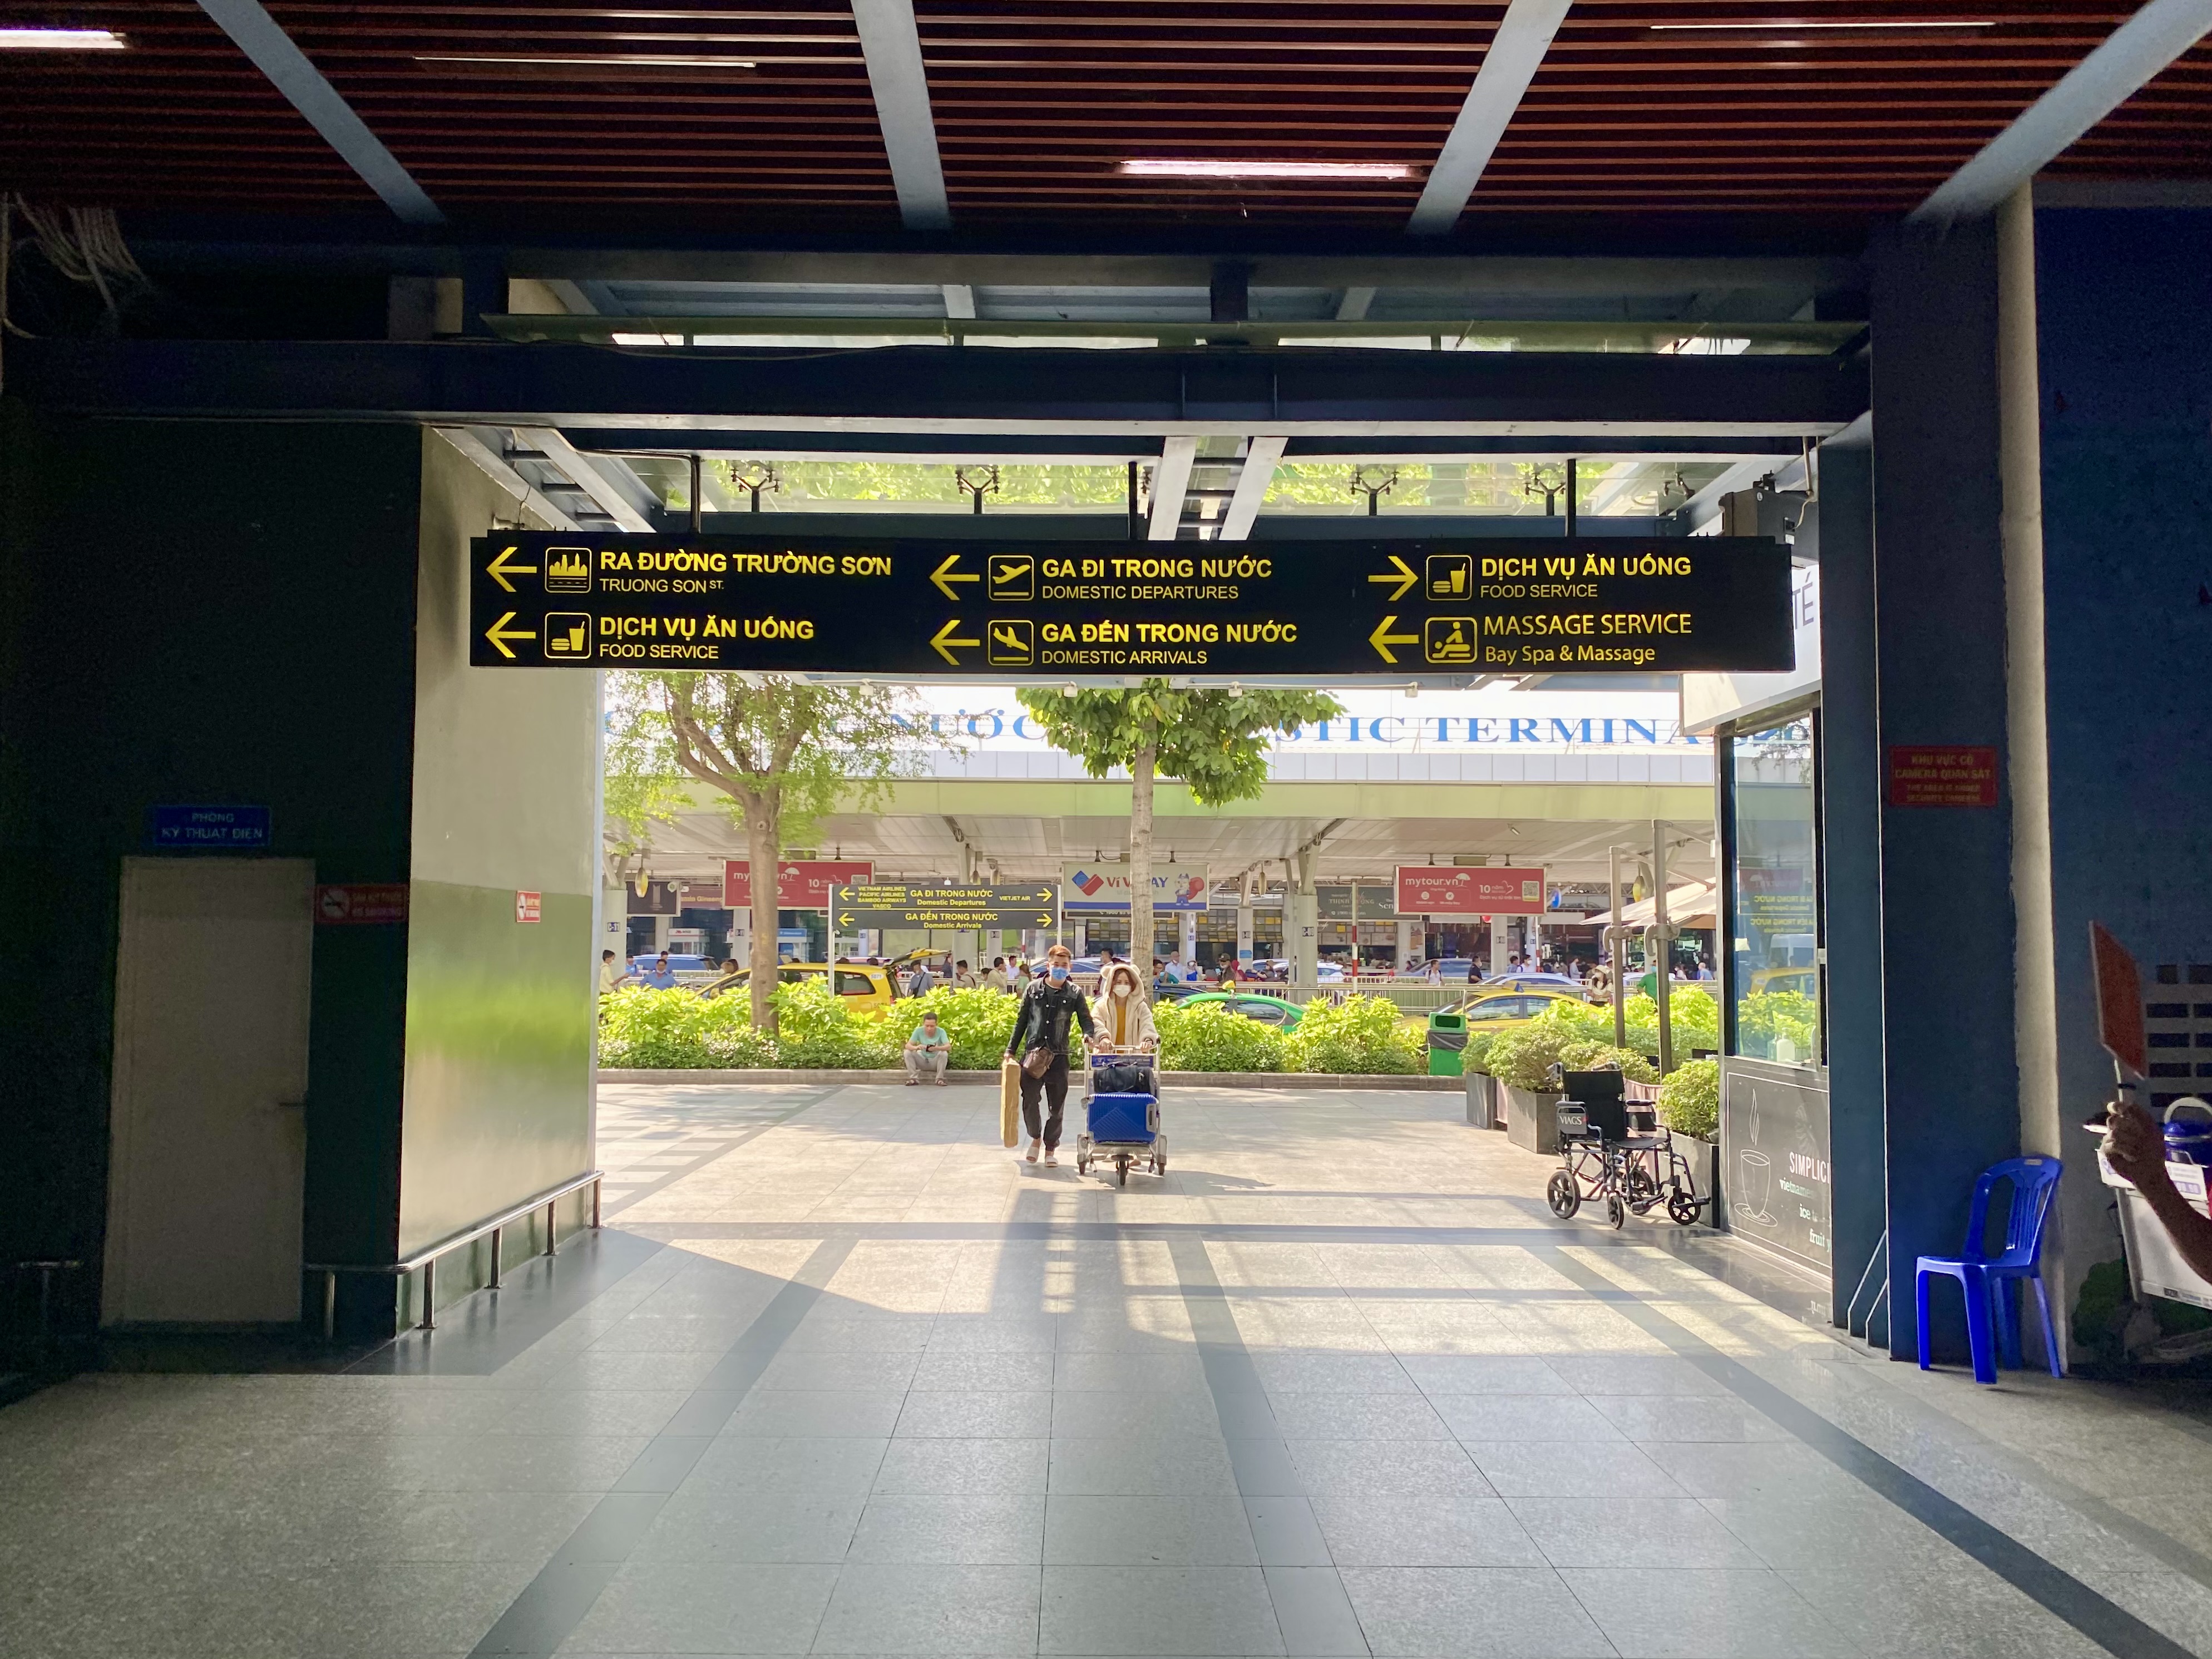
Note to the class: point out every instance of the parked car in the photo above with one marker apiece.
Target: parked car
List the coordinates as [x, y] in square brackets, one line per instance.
[859, 985]
[1533, 983]
[1491, 1007]
[1268, 1010]
[1764, 981]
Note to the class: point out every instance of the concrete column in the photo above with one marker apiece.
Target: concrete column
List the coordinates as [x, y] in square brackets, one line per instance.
[1188, 935]
[614, 927]
[1405, 943]
[2125, 374]
[1245, 945]
[1851, 793]
[1075, 937]
[2027, 735]
[1951, 1076]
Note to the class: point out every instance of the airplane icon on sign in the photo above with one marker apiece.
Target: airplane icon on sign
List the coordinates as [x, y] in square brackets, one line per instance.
[1012, 578]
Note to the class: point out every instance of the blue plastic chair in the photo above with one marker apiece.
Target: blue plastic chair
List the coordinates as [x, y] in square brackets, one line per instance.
[1991, 1325]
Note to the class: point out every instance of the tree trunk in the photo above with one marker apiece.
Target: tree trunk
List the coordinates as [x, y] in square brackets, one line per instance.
[1141, 766]
[762, 854]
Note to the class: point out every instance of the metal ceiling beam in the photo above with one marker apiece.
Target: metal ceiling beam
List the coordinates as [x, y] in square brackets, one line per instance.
[892, 44]
[1661, 276]
[2091, 90]
[1170, 478]
[1352, 305]
[1260, 456]
[584, 471]
[1344, 397]
[1516, 52]
[527, 495]
[257, 35]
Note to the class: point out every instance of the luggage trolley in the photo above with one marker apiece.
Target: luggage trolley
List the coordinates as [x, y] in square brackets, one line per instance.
[1613, 1147]
[1122, 1121]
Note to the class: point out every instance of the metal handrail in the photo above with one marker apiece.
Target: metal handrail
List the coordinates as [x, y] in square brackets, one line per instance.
[426, 1260]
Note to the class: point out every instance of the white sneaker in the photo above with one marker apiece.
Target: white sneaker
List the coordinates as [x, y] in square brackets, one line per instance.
[1052, 1160]
[1034, 1145]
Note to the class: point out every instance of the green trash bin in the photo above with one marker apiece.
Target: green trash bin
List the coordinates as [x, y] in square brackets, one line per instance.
[1447, 1041]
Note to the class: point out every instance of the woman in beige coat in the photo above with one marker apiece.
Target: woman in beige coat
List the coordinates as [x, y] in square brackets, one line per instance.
[1124, 1017]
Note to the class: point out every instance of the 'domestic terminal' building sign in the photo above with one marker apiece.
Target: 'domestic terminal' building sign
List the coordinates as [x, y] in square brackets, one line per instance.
[948, 609]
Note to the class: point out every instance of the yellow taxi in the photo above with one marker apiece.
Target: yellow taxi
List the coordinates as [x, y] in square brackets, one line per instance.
[863, 987]
[1804, 980]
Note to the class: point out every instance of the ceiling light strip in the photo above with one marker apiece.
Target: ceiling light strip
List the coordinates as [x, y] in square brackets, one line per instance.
[1174, 168]
[39, 40]
[1791, 27]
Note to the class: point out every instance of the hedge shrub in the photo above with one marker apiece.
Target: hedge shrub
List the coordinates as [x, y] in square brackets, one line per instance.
[1361, 1034]
[1690, 1098]
[1209, 1037]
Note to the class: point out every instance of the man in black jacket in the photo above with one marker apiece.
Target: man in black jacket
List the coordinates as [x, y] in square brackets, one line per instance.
[1048, 1007]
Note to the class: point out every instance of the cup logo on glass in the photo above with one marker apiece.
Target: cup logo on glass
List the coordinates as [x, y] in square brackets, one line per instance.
[1334, 611]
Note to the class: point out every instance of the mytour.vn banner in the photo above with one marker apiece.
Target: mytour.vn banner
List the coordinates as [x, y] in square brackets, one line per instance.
[1464, 890]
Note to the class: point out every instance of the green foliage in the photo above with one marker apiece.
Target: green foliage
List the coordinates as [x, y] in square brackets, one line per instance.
[1760, 1018]
[815, 1028]
[650, 1030]
[978, 1021]
[1690, 1098]
[1209, 1037]
[1361, 1034]
[1475, 1057]
[1035, 485]
[1214, 742]
[1524, 1059]
[1604, 1057]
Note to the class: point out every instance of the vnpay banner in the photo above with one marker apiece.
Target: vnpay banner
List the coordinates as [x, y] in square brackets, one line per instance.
[1106, 887]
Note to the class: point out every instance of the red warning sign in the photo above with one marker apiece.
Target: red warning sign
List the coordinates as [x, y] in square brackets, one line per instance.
[528, 907]
[1942, 775]
[361, 904]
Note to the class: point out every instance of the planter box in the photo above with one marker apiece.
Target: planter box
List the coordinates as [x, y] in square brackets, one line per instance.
[1704, 1158]
[1532, 1120]
[1482, 1100]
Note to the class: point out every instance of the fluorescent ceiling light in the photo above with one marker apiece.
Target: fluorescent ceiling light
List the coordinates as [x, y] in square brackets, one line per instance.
[1166, 168]
[1739, 28]
[583, 60]
[60, 40]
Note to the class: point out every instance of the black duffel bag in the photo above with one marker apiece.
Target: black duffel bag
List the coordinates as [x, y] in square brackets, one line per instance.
[1122, 1078]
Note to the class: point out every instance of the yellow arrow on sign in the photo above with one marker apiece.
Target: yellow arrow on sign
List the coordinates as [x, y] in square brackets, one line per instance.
[1405, 579]
[499, 634]
[944, 636]
[499, 569]
[944, 577]
[845, 921]
[1382, 639]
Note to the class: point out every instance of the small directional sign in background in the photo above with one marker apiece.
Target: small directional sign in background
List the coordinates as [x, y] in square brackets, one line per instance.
[899, 904]
[952, 608]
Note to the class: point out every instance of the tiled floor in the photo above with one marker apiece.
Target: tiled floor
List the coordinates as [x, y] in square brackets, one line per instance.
[844, 1377]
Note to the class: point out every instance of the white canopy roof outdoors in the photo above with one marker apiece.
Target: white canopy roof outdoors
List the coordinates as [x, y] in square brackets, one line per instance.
[1688, 906]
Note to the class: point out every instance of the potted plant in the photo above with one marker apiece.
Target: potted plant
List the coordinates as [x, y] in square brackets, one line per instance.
[1481, 1088]
[1690, 1105]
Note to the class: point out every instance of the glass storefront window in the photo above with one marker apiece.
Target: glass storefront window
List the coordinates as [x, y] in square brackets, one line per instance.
[1775, 895]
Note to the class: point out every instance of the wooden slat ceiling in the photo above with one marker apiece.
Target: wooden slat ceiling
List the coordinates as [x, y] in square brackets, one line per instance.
[1037, 103]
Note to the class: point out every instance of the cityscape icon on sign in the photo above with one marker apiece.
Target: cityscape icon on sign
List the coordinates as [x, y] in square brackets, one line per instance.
[568, 570]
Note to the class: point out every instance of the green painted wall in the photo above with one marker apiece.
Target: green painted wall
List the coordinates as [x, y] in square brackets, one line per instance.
[197, 612]
[498, 1102]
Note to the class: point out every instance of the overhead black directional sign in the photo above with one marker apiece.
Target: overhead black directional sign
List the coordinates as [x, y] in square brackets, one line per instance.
[954, 609]
[955, 909]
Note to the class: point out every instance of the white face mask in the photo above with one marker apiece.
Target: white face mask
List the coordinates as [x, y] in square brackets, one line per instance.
[1120, 987]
